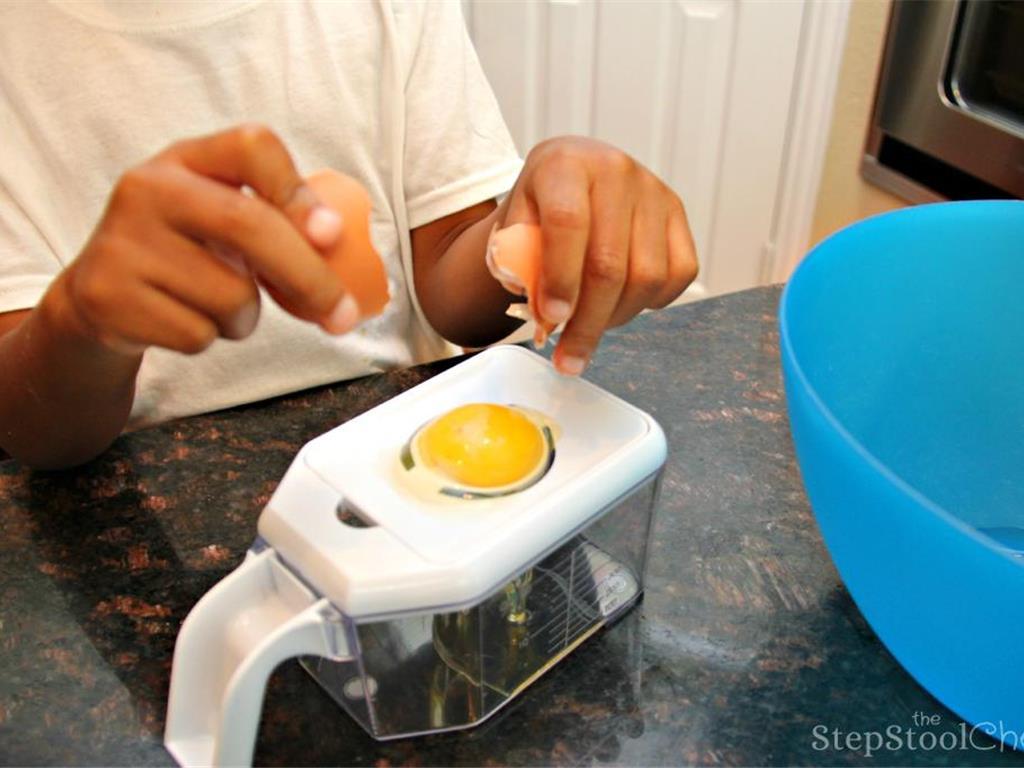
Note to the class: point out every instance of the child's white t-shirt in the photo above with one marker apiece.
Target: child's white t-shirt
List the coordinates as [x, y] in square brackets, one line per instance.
[389, 92]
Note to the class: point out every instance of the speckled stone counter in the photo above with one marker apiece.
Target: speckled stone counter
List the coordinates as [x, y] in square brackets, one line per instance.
[746, 650]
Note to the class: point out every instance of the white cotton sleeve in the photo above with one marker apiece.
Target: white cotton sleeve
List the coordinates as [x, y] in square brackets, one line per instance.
[458, 149]
[27, 263]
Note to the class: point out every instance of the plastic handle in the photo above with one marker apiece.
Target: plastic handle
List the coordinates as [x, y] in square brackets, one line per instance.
[231, 641]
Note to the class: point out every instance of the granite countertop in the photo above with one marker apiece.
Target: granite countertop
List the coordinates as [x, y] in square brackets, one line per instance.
[746, 649]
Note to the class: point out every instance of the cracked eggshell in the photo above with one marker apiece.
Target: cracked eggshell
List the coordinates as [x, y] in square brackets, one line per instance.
[353, 257]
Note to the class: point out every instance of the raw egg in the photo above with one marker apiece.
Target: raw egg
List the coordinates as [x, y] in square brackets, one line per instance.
[353, 258]
[479, 450]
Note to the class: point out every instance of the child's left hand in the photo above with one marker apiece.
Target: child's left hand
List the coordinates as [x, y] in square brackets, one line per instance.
[615, 240]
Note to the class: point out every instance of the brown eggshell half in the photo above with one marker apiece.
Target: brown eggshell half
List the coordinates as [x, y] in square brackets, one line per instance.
[353, 257]
[515, 252]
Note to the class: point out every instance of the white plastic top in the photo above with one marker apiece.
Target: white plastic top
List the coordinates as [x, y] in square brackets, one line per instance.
[423, 554]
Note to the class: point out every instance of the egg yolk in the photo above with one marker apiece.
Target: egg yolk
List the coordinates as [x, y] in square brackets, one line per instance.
[483, 445]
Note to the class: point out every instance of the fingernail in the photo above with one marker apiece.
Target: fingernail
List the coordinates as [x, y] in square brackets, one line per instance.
[232, 258]
[557, 311]
[323, 226]
[344, 317]
[244, 321]
[571, 365]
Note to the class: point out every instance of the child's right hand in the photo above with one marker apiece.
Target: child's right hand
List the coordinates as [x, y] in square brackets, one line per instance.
[176, 258]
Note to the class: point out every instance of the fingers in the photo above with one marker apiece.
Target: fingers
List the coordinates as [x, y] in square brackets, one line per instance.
[648, 269]
[561, 189]
[207, 282]
[682, 258]
[254, 156]
[211, 212]
[129, 315]
[604, 273]
[151, 317]
[188, 236]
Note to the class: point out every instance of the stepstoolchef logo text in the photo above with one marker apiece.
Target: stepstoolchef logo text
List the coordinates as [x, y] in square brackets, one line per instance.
[924, 734]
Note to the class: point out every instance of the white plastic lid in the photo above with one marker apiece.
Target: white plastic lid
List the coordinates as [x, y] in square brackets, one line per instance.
[425, 554]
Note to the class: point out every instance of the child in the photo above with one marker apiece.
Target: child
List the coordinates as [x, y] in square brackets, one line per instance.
[93, 326]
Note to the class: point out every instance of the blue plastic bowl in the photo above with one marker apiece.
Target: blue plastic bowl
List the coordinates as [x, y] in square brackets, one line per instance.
[903, 354]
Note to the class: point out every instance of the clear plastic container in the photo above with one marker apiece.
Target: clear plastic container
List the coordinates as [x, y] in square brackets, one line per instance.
[427, 672]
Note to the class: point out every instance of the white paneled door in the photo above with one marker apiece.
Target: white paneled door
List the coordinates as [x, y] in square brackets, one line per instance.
[704, 92]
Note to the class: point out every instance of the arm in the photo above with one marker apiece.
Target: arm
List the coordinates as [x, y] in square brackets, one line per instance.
[155, 272]
[463, 302]
[615, 241]
[63, 397]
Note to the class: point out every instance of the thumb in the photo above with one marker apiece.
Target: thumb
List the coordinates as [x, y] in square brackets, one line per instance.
[514, 250]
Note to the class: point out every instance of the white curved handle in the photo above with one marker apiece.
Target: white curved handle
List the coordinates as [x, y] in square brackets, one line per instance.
[228, 646]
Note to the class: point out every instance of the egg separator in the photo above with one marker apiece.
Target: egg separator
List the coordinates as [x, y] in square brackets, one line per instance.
[422, 614]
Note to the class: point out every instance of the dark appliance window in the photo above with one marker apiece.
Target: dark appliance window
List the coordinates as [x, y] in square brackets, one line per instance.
[986, 73]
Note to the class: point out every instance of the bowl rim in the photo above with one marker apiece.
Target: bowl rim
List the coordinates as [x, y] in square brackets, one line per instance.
[787, 351]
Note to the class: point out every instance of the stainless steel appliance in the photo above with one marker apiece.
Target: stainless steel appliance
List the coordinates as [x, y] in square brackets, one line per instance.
[948, 120]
